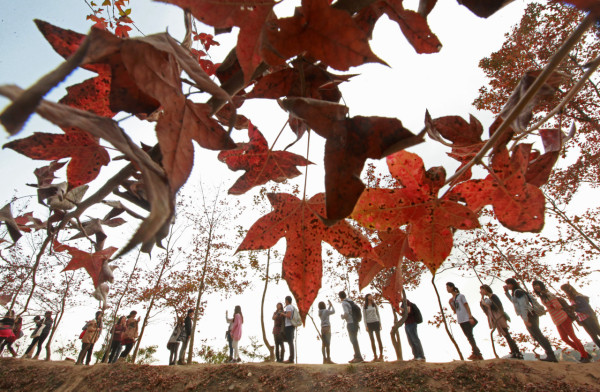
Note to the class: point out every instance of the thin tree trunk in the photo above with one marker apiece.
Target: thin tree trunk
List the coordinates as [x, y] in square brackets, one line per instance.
[444, 319]
[395, 331]
[200, 292]
[109, 337]
[262, 311]
[58, 319]
[572, 224]
[35, 268]
[150, 307]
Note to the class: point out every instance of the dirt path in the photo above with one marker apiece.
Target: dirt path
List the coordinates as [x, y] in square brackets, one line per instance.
[493, 375]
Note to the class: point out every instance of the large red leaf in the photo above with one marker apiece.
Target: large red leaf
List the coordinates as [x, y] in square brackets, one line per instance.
[416, 204]
[249, 15]
[350, 141]
[393, 246]
[324, 33]
[87, 156]
[518, 205]
[393, 289]
[91, 262]
[260, 163]
[298, 221]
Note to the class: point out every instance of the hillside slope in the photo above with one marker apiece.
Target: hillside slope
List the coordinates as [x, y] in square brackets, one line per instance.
[493, 375]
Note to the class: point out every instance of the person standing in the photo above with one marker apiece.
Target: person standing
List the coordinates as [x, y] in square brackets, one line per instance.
[228, 335]
[373, 325]
[561, 319]
[90, 337]
[524, 308]
[413, 319]
[173, 343]
[585, 314]
[40, 334]
[7, 324]
[289, 328]
[279, 332]
[352, 323]
[187, 331]
[236, 332]
[324, 314]
[16, 334]
[465, 319]
[131, 333]
[492, 307]
[117, 340]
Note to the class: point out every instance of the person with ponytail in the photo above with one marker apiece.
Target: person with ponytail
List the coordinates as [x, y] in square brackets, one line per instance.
[465, 319]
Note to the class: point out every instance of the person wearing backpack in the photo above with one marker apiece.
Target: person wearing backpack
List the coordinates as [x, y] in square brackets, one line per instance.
[173, 343]
[524, 308]
[373, 325]
[560, 318]
[324, 314]
[289, 327]
[585, 314]
[352, 314]
[185, 336]
[40, 333]
[465, 318]
[16, 334]
[90, 337]
[413, 319]
[497, 318]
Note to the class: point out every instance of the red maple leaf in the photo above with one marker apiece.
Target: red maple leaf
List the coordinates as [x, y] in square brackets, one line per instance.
[517, 204]
[260, 163]
[92, 262]
[350, 141]
[303, 80]
[323, 32]
[416, 204]
[87, 156]
[393, 246]
[298, 221]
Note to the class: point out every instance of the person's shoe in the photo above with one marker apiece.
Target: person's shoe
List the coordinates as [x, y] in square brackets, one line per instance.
[356, 360]
[549, 359]
[380, 359]
[475, 357]
[289, 361]
[376, 359]
[585, 360]
[35, 356]
[420, 359]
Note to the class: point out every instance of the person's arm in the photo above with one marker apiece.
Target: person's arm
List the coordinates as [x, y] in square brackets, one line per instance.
[468, 309]
[451, 302]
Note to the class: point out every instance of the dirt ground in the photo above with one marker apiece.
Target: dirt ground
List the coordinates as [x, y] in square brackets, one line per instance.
[492, 375]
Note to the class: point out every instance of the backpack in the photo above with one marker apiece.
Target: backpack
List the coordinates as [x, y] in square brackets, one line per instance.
[417, 313]
[296, 320]
[356, 312]
[538, 309]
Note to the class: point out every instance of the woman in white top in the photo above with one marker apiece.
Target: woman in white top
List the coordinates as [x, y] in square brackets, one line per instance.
[373, 324]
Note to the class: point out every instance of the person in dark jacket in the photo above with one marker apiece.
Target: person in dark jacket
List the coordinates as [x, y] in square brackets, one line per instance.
[38, 338]
[586, 316]
[117, 339]
[187, 330]
[173, 343]
[410, 326]
[279, 332]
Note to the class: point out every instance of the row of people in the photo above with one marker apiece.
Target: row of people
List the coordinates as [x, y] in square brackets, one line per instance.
[284, 328]
[563, 315]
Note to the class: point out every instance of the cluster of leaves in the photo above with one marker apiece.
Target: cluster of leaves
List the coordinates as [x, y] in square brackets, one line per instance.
[288, 59]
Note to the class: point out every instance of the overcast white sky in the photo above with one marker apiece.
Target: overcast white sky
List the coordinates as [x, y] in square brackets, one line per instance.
[444, 83]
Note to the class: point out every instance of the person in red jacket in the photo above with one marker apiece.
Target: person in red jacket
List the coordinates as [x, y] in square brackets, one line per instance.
[117, 340]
